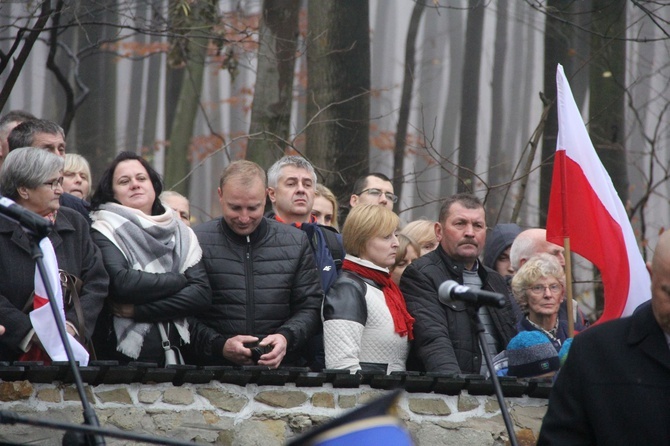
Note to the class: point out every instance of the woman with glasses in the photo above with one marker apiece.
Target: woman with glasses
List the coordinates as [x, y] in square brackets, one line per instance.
[538, 288]
[33, 178]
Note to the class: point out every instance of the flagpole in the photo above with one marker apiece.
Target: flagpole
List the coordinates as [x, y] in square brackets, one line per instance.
[566, 245]
[568, 287]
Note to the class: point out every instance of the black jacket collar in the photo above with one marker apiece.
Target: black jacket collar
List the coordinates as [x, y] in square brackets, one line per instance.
[254, 237]
[648, 335]
[456, 268]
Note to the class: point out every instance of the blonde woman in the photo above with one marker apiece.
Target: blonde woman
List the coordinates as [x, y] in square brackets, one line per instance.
[77, 176]
[325, 207]
[408, 251]
[539, 287]
[366, 324]
[423, 233]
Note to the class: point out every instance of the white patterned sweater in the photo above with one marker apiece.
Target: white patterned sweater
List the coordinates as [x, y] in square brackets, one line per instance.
[349, 342]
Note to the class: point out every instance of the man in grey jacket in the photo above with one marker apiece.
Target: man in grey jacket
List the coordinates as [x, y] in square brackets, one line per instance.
[266, 288]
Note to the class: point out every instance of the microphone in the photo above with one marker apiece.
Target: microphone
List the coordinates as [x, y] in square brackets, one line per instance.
[451, 290]
[30, 221]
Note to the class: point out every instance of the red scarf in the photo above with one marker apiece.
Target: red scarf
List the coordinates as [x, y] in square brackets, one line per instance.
[395, 301]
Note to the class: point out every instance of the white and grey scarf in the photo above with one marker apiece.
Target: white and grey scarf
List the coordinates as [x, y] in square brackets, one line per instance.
[153, 244]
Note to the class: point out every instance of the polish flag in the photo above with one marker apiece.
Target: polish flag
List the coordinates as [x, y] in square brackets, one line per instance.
[585, 207]
[42, 316]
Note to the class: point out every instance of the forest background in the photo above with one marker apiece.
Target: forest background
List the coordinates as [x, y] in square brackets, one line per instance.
[440, 95]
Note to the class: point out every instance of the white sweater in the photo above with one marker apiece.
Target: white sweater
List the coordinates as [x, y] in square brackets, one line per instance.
[348, 343]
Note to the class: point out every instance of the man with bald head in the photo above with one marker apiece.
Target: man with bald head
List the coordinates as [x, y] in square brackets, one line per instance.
[614, 388]
[532, 242]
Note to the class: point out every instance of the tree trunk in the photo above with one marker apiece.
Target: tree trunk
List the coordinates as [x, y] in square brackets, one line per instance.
[450, 122]
[423, 175]
[406, 98]
[500, 162]
[20, 60]
[273, 94]
[556, 50]
[132, 136]
[607, 99]
[608, 82]
[467, 150]
[338, 103]
[95, 121]
[177, 157]
[149, 129]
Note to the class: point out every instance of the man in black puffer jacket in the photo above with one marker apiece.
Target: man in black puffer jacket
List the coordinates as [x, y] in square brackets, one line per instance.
[265, 283]
[445, 337]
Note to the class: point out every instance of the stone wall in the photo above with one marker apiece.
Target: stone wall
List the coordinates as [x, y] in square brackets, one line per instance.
[228, 414]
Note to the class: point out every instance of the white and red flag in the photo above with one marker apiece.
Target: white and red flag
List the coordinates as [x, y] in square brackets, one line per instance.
[585, 207]
[42, 317]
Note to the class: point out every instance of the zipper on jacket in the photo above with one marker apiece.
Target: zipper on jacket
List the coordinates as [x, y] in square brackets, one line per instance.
[249, 278]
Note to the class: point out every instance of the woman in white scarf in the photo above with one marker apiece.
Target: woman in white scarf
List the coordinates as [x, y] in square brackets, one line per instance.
[153, 260]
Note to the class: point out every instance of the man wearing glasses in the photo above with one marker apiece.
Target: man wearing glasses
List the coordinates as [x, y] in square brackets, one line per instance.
[374, 188]
[49, 136]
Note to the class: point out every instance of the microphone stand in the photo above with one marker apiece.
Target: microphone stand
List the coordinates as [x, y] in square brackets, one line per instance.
[90, 417]
[481, 333]
[89, 433]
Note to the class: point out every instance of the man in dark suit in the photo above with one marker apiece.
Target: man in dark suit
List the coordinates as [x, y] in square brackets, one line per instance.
[614, 388]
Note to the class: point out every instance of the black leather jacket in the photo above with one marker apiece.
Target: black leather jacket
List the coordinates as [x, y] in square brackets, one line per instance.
[445, 339]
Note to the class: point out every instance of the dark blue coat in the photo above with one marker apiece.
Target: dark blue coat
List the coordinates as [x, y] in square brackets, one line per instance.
[614, 388]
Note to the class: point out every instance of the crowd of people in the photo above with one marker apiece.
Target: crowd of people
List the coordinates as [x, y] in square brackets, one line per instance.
[285, 287]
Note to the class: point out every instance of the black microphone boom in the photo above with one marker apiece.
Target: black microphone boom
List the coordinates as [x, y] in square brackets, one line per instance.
[30, 221]
[451, 290]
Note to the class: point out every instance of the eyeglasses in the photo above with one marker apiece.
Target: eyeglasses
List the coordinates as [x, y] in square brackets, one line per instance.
[538, 290]
[58, 182]
[377, 193]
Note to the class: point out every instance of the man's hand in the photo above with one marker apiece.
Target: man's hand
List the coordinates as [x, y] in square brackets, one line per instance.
[2, 330]
[275, 357]
[123, 310]
[235, 351]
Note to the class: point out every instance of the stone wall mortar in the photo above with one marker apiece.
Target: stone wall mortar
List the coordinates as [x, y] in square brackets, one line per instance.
[194, 416]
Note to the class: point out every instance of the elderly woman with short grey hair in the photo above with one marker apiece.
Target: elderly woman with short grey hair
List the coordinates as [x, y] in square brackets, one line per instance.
[33, 178]
[539, 287]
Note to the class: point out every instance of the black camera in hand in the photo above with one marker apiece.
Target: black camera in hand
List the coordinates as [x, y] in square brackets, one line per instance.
[257, 351]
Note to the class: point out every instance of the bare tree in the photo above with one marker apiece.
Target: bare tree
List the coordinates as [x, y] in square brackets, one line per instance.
[194, 26]
[406, 98]
[28, 42]
[338, 103]
[273, 94]
[608, 84]
[500, 164]
[467, 150]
